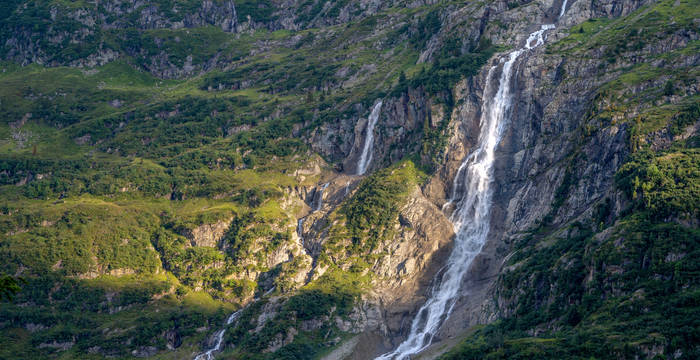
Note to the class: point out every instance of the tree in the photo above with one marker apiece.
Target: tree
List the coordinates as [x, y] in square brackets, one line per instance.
[9, 286]
[668, 88]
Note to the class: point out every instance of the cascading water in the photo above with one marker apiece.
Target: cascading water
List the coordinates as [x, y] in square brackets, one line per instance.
[563, 9]
[300, 228]
[366, 156]
[471, 198]
[209, 354]
[318, 201]
[318, 204]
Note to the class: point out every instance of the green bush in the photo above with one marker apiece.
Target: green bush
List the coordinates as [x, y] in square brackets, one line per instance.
[665, 185]
[374, 208]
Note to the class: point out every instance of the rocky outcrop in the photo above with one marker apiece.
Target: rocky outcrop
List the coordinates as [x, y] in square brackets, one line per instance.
[37, 31]
[397, 134]
[423, 240]
[207, 234]
[409, 263]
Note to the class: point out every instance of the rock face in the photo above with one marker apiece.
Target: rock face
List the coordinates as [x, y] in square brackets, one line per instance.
[542, 154]
[208, 234]
[397, 134]
[28, 46]
[403, 276]
[419, 249]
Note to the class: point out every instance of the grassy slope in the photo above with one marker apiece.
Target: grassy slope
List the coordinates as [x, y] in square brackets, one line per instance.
[90, 186]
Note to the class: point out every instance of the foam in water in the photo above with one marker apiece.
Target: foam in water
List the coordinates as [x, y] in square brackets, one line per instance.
[471, 197]
[366, 156]
[563, 9]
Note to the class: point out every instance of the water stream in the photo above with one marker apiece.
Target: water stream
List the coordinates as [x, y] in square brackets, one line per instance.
[209, 354]
[471, 198]
[472, 191]
[563, 9]
[366, 156]
[318, 199]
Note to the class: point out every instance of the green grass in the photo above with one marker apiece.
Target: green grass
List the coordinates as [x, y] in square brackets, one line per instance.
[361, 226]
[79, 311]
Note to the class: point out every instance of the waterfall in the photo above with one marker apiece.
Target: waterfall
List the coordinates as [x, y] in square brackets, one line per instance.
[366, 157]
[317, 204]
[471, 195]
[318, 200]
[209, 354]
[563, 9]
[300, 228]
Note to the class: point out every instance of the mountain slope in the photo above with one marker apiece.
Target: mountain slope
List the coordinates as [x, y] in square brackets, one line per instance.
[167, 163]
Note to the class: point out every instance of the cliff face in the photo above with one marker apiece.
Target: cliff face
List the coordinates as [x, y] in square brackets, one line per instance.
[569, 135]
[557, 162]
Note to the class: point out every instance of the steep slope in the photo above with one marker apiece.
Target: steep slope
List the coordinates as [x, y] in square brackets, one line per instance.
[596, 273]
[268, 179]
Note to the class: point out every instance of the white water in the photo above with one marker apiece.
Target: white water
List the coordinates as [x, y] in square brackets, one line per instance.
[318, 200]
[209, 354]
[366, 156]
[317, 204]
[563, 9]
[300, 228]
[471, 198]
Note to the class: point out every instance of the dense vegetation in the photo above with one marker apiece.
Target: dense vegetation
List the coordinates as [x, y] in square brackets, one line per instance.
[332, 295]
[366, 221]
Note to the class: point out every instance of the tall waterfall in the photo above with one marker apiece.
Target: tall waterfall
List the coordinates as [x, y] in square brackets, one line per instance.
[366, 156]
[471, 198]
